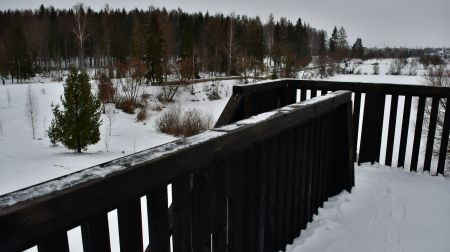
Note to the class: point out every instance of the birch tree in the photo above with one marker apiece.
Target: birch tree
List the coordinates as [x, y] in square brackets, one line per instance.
[32, 110]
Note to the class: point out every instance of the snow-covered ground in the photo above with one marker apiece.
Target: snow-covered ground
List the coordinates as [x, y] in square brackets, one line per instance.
[388, 210]
[24, 161]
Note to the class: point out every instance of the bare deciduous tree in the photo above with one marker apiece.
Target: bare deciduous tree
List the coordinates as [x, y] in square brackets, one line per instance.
[80, 30]
[32, 110]
[8, 97]
[110, 116]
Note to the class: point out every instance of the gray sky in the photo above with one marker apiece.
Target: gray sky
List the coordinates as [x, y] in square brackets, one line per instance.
[411, 23]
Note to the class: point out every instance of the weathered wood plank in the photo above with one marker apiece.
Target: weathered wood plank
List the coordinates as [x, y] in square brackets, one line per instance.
[356, 114]
[443, 150]
[55, 242]
[417, 133]
[158, 225]
[404, 133]
[372, 128]
[182, 222]
[130, 225]
[95, 234]
[391, 130]
[431, 134]
[362, 87]
[201, 211]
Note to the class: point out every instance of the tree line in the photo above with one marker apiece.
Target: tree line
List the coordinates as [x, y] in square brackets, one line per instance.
[165, 42]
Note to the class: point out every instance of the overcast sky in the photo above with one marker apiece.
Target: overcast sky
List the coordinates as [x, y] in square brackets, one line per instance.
[411, 23]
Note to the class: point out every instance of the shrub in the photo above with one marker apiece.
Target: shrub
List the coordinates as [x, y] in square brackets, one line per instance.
[142, 115]
[195, 122]
[170, 121]
[179, 123]
[126, 105]
[106, 91]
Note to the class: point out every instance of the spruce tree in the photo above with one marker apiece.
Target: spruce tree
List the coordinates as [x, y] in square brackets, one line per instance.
[333, 44]
[77, 125]
[154, 52]
[358, 49]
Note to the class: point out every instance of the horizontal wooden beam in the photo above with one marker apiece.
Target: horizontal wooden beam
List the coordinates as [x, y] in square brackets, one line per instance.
[362, 87]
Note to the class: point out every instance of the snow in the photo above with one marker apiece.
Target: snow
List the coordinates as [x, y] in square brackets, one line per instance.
[31, 161]
[388, 210]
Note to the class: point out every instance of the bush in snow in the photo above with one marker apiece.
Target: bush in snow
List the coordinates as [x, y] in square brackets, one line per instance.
[176, 122]
[396, 66]
[77, 124]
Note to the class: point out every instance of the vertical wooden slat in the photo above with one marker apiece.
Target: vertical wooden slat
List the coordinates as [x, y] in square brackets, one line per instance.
[297, 208]
[130, 225]
[251, 201]
[372, 128]
[281, 192]
[313, 93]
[54, 242]
[303, 94]
[417, 133]
[443, 150]
[404, 134]
[391, 130]
[356, 113]
[201, 214]
[431, 133]
[158, 225]
[263, 167]
[316, 166]
[348, 148]
[270, 221]
[290, 166]
[309, 178]
[236, 180]
[181, 201]
[219, 206]
[305, 176]
[95, 234]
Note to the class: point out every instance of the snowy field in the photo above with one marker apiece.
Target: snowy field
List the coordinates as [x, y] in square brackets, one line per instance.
[24, 161]
[388, 210]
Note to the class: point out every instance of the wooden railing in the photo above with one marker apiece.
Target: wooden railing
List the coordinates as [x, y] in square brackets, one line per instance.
[248, 186]
[428, 104]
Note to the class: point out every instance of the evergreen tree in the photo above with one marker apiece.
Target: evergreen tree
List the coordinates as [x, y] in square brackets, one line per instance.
[77, 125]
[342, 39]
[333, 44]
[154, 52]
[358, 49]
[322, 42]
[19, 58]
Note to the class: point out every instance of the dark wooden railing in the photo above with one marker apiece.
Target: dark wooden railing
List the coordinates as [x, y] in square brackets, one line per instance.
[369, 99]
[247, 186]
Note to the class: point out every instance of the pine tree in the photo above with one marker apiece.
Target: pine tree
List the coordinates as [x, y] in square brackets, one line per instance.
[333, 44]
[154, 52]
[358, 49]
[322, 42]
[342, 39]
[77, 125]
[19, 58]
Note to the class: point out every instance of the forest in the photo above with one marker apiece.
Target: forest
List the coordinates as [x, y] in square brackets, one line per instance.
[164, 45]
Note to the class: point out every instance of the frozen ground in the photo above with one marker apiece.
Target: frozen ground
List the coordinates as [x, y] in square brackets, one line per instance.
[388, 210]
